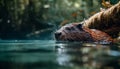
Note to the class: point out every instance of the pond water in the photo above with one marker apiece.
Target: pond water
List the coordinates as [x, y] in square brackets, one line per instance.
[48, 54]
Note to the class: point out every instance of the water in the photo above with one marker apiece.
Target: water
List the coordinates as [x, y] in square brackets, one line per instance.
[47, 54]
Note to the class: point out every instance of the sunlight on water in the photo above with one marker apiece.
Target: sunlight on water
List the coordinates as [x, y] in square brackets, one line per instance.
[47, 54]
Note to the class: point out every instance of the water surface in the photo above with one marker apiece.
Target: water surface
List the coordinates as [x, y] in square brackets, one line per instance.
[47, 54]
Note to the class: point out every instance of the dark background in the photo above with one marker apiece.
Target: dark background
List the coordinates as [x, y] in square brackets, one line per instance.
[38, 19]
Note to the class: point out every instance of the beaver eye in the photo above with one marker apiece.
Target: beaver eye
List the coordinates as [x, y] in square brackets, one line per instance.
[67, 28]
[79, 26]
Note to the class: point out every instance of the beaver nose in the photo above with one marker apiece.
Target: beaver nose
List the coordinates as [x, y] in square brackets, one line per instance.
[57, 34]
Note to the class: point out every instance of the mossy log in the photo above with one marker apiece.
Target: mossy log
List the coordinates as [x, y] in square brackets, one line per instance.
[107, 21]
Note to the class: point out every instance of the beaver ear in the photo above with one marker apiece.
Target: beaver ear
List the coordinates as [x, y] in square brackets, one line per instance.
[79, 26]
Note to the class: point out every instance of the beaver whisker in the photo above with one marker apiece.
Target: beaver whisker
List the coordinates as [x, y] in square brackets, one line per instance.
[64, 32]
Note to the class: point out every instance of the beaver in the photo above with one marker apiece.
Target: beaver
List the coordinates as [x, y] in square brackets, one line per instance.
[77, 32]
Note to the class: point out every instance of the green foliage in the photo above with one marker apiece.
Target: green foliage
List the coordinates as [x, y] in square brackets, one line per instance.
[31, 15]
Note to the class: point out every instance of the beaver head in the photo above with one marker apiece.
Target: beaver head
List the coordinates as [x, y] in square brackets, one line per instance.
[76, 32]
[72, 32]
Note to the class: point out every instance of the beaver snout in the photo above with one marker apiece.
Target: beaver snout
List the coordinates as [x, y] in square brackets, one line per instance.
[57, 35]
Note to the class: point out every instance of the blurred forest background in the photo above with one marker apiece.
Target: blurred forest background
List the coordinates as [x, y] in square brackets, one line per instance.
[37, 19]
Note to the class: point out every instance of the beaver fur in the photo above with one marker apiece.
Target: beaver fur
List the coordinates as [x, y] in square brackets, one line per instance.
[97, 28]
[77, 32]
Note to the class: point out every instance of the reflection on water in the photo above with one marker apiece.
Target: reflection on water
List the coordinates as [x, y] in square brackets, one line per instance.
[47, 54]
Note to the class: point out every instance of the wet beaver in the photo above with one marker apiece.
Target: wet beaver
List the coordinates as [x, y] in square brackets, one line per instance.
[77, 32]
